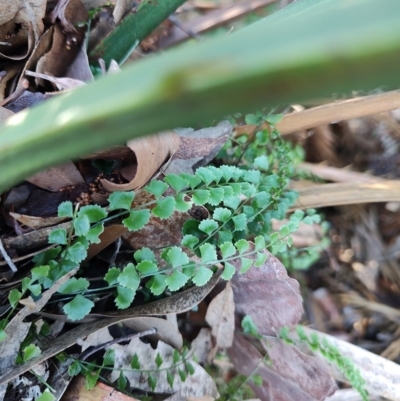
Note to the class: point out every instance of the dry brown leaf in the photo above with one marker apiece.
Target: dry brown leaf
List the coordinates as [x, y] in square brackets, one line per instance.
[291, 375]
[198, 384]
[92, 340]
[151, 153]
[221, 317]
[37, 222]
[201, 345]
[101, 392]
[267, 294]
[55, 178]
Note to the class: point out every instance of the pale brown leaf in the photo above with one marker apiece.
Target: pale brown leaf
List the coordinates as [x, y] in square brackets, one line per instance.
[290, 376]
[201, 345]
[55, 178]
[37, 222]
[221, 317]
[267, 294]
[151, 153]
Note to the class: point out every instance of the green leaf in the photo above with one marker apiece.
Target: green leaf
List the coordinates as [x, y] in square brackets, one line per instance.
[74, 285]
[95, 213]
[170, 379]
[26, 282]
[176, 182]
[112, 275]
[35, 289]
[177, 257]
[157, 188]
[65, 209]
[137, 219]
[159, 361]
[260, 259]
[182, 374]
[252, 119]
[165, 207]
[273, 118]
[74, 369]
[192, 179]
[262, 162]
[144, 254]
[175, 357]
[76, 252]
[82, 225]
[227, 249]
[297, 216]
[40, 272]
[78, 308]
[181, 205]
[129, 277]
[246, 263]
[208, 253]
[147, 267]
[46, 396]
[125, 297]
[262, 199]
[135, 364]
[242, 246]
[3, 335]
[249, 327]
[252, 176]
[259, 243]
[14, 296]
[176, 280]
[222, 214]
[228, 191]
[121, 200]
[216, 196]
[152, 381]
[233, 202]
[58, 236]
[205, 175]
[208, 226]
[94, 233]
[229, 271]
[122, 381]
[240, 222]
[189, 241]
[30, 352]
[91, 379]
[109, 357]
[158, 284]
[224, 236]
[189, 367]
[202, 276]
[217, 173]
[200, 196]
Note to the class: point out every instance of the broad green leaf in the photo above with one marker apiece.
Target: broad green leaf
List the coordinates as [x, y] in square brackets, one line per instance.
[260, 259]
[129, 277]
[246, 263]
[40, 272]
[91, 379]
[94, 233]
[273, 118]
[158, 284]
[200, 196]
[189, 241]
[240, 222]
[176, 182]
[65, 209]
[147, 267]
[152, 381]
[224, 236]
[74, 369]
[192, 179]
[181, 205]
[208, 253]
[122, 381]
[46, 396]
[262, 162]
[176, 280]
[125, 297]
[252, 119]
[189, 367]
[74, 285]
[76, 252]
[216, 196]
[252, 176]
[82, 225]
[78, 308]
[324, 47]
[205, 175]
[95, 213]
[112, 276]
[229, 271]
[137, 219]
[121, 200]
[3, 335]
[35, 289]
[202, 276]
[175, 357]
[208, 226]
[157, 188]
[58, 236]
[165, 207]
[135, 363]
[14, 296]
[177, 257]
[227, 249]
[182, 374]
[259, 243]
[222, 214]
[144, 254]
[109, 357]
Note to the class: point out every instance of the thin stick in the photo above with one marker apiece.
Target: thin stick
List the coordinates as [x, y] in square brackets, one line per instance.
[328, 113]
[7, 258]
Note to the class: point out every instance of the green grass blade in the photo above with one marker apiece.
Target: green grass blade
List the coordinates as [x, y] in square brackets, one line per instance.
[312, 48]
